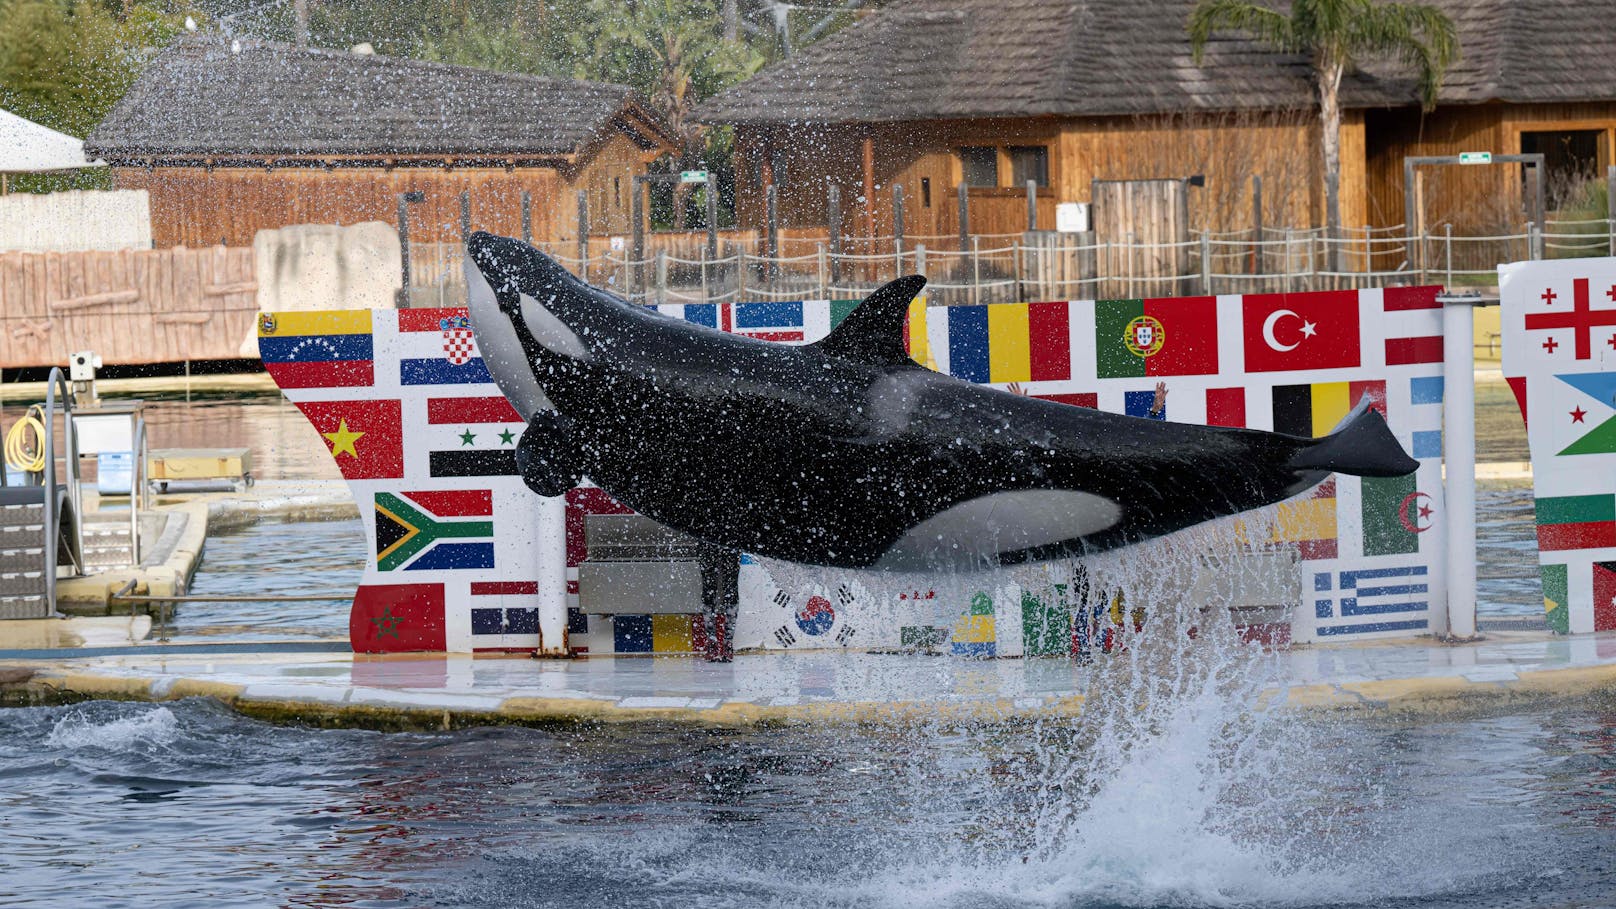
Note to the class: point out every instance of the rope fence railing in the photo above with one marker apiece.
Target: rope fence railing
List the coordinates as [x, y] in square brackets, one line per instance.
[1047, 265]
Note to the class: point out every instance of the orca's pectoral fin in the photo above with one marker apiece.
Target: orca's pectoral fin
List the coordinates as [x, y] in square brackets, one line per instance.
[873, 331]
[543, 455]
[1362, 445]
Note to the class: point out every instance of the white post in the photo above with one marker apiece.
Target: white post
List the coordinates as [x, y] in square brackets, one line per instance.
[1459, 459]
[552, 544]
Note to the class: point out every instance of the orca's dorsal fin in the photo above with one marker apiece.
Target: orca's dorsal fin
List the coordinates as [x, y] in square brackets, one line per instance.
[873, 331]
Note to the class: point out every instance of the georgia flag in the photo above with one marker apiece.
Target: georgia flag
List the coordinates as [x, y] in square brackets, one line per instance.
[1286, 332]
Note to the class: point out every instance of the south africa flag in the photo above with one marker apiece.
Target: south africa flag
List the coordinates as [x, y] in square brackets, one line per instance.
[426, 531]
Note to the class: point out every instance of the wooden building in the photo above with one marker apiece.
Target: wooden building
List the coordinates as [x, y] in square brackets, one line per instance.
[231, 137]
[928, 94]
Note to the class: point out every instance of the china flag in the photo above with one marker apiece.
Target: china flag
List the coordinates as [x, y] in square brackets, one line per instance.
[390, 618]
[1300, 331]
[365, 437]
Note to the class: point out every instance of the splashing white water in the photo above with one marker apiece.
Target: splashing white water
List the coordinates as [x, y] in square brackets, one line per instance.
[143, 731]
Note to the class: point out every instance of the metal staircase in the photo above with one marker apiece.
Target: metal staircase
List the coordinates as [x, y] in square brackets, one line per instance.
[39, 521]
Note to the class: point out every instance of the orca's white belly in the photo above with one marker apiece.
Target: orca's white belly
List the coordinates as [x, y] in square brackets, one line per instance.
[976, 532]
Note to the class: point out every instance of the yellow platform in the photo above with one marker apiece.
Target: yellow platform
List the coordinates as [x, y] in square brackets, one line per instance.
[168, 464]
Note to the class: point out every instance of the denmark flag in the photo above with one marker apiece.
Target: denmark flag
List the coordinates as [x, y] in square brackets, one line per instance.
[1300, 331]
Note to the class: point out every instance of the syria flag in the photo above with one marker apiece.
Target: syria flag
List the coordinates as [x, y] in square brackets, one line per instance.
[1285, 332]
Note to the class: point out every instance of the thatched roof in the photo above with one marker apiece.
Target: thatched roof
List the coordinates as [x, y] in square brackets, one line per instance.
[941, 59]
[207, 96]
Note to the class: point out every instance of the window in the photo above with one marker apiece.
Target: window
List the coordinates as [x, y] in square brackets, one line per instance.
[925, 192]
[1570, 159]
[617, 191]
[1029, 162]
[980, 165]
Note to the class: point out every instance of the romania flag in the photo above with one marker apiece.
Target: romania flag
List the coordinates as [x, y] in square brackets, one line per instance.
[1009, 342]
[317, 349]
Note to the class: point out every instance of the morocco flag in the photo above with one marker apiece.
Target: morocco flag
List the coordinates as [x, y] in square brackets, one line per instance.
[1175, 336]
[397, 617]
[1300, 331]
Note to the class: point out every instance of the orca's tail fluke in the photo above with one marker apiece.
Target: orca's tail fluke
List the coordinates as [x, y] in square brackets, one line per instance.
[1362, 445]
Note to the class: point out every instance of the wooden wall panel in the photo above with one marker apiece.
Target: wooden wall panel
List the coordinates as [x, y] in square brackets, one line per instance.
[200, 207]
[131, 307]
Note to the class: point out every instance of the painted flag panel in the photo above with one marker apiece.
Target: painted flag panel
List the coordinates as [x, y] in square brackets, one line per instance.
[390, 618]
[1010, 357]
[1138, 403]
[780, 321]
[973, 634]
[492, 409]
[1604, 585]
[1301, 331]
[1315, 410]
[1590, 421]
[366, 438]
[1413, 325]
[1390, 594]
[586, 500]
[1075, 399]
[1576, 522]
[318, 349]
[1556, 602]
[1175, 336]
[1226, 407]
[1049, 341]
[968, 355]
[414, 532]
[633, 634]
[1390, 515]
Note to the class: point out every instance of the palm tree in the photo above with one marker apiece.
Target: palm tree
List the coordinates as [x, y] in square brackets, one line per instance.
[1334, 34]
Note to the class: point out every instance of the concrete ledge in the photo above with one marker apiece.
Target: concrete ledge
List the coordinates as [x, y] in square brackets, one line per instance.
[436, 691]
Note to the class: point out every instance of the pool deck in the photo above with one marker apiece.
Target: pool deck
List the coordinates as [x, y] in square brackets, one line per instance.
[322, 684]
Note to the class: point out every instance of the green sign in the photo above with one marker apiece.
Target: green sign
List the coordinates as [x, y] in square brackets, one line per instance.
[692, 176]
[1475, 157]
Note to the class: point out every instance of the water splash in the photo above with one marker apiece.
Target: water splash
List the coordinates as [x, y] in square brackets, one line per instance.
[144, 732]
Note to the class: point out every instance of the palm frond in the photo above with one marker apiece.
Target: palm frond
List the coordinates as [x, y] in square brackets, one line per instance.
[1417, 34]
[1266, 25]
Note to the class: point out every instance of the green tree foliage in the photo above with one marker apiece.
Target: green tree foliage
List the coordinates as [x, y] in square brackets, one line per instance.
[1335, 35]
[65, 63]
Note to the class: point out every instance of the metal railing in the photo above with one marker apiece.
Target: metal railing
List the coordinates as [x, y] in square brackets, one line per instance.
[57, 380]
[1046, 265]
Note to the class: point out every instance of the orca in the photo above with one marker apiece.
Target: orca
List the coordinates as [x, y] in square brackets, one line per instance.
[846, 452]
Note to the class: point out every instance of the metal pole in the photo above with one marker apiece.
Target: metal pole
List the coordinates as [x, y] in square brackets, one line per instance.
[465, 215]
[964, 215]
[1032, 204]
[551, 538]
[1459, 459]
[1610, 207]
[637, 252]
[1256, 225]
[705, 295]
[897, 224]
[1447, 242]
[583, 234]
[527, 217]
[1206, 264]
[662, 275]
[712, 216]
[404, 250]
[976, 270]
[772, 199]
[824, 293]
[1534, 245]
[834, 221]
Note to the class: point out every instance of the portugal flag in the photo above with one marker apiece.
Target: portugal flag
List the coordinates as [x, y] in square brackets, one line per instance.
[1300, 331]
[1174, 336]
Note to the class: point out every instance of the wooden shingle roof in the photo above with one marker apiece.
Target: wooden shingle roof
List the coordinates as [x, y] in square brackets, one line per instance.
[203, 97]
[941, 59]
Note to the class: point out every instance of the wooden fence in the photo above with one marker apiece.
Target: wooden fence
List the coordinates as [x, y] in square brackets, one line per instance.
[131, 307]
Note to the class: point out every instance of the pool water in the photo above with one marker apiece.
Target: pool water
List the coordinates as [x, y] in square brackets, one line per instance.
[187, 804]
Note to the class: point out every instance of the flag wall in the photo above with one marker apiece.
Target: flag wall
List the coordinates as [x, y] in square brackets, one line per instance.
[1559, 342]
[419, 425]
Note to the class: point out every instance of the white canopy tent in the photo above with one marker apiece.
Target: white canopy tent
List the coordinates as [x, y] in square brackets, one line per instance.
[28, 148]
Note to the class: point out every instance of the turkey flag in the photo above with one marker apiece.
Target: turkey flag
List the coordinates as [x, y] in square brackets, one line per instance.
[1286, 332]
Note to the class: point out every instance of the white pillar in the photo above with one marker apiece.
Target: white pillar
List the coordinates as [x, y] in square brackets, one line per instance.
[551, 540]
[1459, 459]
